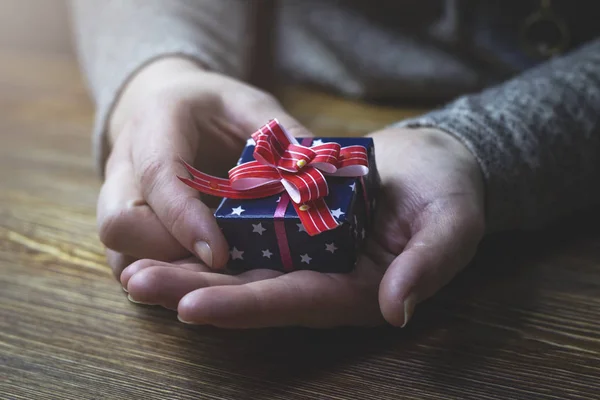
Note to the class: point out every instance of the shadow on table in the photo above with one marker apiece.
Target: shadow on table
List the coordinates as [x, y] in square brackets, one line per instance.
[485, 309]
[460, 329]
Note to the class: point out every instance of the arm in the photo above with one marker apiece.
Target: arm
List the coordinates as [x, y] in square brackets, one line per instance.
[115, 39]
[536, 138]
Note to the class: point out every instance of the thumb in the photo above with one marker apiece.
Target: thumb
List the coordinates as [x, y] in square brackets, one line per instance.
[444, 244]
[162, 142]
[126, 223]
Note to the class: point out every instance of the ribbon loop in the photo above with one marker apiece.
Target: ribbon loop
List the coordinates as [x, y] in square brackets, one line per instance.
[307, 185]
[353, 161]
[327, 157]
[264, 153]
[251, 175]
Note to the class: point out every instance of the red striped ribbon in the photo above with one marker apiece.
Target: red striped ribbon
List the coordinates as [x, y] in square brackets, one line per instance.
[283, 164]
[282, 241]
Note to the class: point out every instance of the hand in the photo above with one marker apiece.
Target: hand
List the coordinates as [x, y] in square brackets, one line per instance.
[173, 110]
[430, 220]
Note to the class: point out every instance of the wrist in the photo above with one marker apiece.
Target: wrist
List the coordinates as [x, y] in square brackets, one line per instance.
[148, 79]
[445, 139]
[467, 162]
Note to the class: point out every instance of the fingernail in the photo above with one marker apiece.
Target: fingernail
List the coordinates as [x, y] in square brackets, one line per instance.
[185, 322]
[203, 251]
[409, 308]
[124, 289]
[133, 301]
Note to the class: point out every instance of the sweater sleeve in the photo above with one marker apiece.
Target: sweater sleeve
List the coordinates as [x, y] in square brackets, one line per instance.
[115, 38]
[536, 138]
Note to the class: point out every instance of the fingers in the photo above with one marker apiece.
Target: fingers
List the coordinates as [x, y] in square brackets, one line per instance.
[304, 298]
[126, 223]
[445, 242]
[165, 285]
[156, 162]
[140, 265]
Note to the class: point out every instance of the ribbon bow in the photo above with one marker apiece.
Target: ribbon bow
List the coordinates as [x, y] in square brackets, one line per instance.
[282, 164]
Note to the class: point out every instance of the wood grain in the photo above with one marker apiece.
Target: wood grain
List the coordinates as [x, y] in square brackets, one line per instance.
[522, 322]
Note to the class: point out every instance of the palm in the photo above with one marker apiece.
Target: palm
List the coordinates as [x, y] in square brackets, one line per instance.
[428, 225]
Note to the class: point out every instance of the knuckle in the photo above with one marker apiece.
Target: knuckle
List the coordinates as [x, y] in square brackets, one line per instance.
[146, 279]
[148, 173]
[266, 100]
[176, 213]
[161, 105]
[143, 264]
[174, 106]
[259, 99]
[109, 229]
[113, 229]
[167, 99]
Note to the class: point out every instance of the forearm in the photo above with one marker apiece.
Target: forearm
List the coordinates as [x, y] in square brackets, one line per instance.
[117, 39]
[536, 138]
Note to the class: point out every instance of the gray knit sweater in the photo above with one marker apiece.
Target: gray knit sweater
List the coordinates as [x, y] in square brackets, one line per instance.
[532, 122]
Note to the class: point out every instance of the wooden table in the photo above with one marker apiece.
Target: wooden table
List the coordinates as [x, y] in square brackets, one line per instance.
[522, 322]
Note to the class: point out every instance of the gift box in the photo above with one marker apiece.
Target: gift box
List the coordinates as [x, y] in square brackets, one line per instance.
[289, 227]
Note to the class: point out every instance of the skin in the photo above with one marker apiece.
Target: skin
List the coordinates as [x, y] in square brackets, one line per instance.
[430, 216]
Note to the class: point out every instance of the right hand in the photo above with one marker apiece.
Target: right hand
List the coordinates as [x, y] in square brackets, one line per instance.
[173, 110]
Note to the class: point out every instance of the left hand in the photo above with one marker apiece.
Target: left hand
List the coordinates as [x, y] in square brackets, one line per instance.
[429, 222]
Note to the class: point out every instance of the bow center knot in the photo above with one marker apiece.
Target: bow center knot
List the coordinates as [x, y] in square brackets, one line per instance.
[301, 163]
[294, 158]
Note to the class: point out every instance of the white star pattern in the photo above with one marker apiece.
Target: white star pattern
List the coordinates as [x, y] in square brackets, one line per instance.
[355, 220]
[267, 253]
[305, 258]
[330, 247]
[337, 212]
[250, 142]
[301, 228]
[363, 233]
[258, 228]
[237, 211]
[278, 200]
[236, 254]
[317, 142]
[353, 186]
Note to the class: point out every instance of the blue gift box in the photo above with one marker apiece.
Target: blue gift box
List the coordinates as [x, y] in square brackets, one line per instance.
[250, 226]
